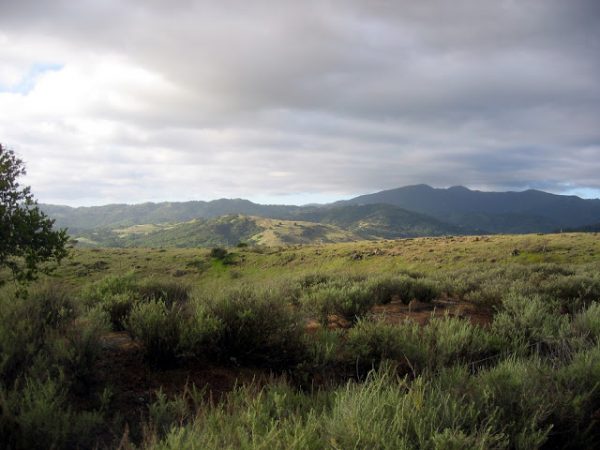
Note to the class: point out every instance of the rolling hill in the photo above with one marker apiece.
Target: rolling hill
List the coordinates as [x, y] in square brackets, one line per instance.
[404, 212]
[228, 230]
[122, 215]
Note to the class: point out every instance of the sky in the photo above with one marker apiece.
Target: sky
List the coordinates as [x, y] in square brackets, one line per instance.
[127, 101]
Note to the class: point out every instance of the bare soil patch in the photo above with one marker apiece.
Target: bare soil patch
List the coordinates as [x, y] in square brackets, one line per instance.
[396, 311]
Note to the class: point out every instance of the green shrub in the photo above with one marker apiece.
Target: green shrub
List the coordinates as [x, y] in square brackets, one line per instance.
[385, 289]
[164, 413]
[218, 253]
[323, 348]
[586, 324]
[200, 332]
[169, 292]
[520, 393]
[118, 307]
[76, 351]
[370, 343]
[37, 415]
[276, 416]
[26, 325]
[578, 396]
[424, 290]
[116, 294]
[451, 340]
[119, 294]
[389, 413]
[256, 327]
[529, 324]
[52, 305]
[442, 342]
[110, 286]
[572, 292]
[312, 279]
[158, 328]
[350, 300]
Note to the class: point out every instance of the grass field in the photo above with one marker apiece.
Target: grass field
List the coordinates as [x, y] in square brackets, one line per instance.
[445, 343]
[258, 263]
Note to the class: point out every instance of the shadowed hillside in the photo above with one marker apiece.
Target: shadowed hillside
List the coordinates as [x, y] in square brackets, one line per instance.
[498, 212]
[382, 221]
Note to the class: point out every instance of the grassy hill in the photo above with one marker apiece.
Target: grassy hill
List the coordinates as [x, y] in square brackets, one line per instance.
[313, 226]
[122, 215]
[226, 230]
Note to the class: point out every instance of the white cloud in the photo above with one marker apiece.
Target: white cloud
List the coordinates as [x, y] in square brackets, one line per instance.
[298, 100]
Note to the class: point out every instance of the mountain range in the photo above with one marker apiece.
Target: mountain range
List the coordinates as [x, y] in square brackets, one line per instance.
[409, 211]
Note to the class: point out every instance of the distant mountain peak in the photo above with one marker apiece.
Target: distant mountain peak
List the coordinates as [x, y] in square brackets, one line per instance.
[459, 189]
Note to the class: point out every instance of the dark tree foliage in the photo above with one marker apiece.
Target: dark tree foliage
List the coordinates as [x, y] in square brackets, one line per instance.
[27, 239]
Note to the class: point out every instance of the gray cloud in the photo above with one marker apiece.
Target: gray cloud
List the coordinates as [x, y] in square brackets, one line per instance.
[273, 100]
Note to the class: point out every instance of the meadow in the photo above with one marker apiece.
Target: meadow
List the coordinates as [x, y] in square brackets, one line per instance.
[468, 342]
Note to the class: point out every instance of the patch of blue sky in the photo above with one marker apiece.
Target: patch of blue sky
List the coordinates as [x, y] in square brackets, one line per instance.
[583, 192]
[29, 80]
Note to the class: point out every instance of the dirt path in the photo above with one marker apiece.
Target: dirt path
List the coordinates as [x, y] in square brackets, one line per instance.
[396, 311]
[133, 383]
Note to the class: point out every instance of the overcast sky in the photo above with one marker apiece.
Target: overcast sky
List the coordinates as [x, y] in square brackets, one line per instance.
[299, 101]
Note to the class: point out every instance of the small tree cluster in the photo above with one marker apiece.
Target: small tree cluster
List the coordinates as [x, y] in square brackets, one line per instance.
[27, 239]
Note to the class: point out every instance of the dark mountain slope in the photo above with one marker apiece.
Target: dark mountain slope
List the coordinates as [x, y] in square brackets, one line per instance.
[494, 211]
[381, 221]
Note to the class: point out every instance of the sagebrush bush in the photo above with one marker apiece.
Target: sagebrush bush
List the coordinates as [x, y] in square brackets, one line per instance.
[529, 324]
[370, 343]
[573, 292]
[170, 292]
[36, 414]
[256, 327]
[116, 295]
[386, 412]
[577, 393]
[119, 294]
[586, 324]
[424, 290]
[200, 332]
[75, 352]
[26, 325]
[118, 307]
[323, 350]
[109, 286]
[414, 348]
[165, 413]
[350, 300]
[385, 289]
[451, 340]
[158, 327]
[312, 279]
[519, 393]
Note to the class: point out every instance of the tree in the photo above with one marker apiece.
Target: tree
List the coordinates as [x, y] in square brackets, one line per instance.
[27, 238]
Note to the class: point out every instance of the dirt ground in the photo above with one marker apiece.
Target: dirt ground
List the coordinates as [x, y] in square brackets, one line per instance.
[397, 312]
